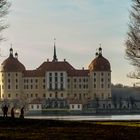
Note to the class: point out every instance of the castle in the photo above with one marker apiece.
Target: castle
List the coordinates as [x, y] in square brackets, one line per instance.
[56, 82]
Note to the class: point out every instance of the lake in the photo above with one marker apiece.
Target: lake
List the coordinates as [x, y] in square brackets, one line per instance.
[88, 118]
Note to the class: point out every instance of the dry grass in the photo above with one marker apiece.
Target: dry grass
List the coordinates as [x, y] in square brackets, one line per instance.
[68, 130]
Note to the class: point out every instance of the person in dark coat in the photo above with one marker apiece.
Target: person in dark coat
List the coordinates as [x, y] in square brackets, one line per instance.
[22, 112]
[13, 112]
[5, 110]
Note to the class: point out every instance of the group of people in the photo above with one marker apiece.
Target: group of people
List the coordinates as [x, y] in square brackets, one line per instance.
[5, 111]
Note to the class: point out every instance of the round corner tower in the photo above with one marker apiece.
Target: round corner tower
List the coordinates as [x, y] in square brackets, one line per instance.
[100, 77]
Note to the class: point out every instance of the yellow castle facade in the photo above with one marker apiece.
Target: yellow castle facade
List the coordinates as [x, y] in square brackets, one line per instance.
[55, 80]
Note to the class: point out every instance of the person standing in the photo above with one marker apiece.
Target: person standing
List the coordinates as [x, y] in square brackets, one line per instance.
[5, 110]
[13, 112]
[22, 113]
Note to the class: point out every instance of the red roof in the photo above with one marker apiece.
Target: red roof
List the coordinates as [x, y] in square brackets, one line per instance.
[62, 66]
[33, 73]
[79, 73]
[11, 64]
[55, 66]
[100, 64]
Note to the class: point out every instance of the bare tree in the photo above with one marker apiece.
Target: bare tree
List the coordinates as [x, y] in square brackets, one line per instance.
[4, 10]
[133, 39]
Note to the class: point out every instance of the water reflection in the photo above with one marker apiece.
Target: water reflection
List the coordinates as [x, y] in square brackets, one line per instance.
[88, 118]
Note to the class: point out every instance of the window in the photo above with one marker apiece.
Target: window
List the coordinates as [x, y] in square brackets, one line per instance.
[61, 86]
[16, 80]
[61, 79]
[68, 80]
[102, 74]
[50, 95]
[102, 79]
[8, 80]
[36, 95]
[72, 106]
[78, 106]
[61, 74]
[102, 96]
[50, 86]
[56, 86]
[36, 86]
[108, 74]
[31, 95]
[31, 86]
[108, 85]
[94, 85]
[36, 80]
[61, 94]
[27, 86]
[9, 95]
[79, 86]
[16, 95]
[50, 74]
[44, 86]
[108, 80]
[16, 74]
[55, 79]
[80, 96]
[94, 95]
[32, 106]
[8, 74]
[75, 95]
[103, 105]
[43, 80]
[16, 86]
[102, 86]
[31, 80]
[50, 79]
[56, 95]
[80, 80]
[37, 106]
[44, 95]
[55, 74]
[94, 79]
[74, 79]
[94, 74]
[84, 86]
[84, 80]
[9, 87]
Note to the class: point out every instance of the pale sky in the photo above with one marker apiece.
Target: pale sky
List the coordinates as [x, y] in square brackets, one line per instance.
[79, 26]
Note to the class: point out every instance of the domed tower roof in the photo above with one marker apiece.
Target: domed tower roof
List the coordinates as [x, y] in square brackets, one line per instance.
[100, 63]
[11, 64]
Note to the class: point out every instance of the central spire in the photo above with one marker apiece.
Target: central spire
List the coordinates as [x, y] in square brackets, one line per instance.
[54, 55]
